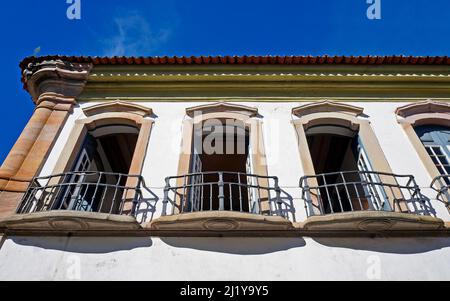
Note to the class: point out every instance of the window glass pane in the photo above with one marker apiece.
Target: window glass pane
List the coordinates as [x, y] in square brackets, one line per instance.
[437, 150]
[435, 161]
[436, 142]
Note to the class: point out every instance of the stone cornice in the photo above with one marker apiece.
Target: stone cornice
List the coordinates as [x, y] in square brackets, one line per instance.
[118, 106]
[428, 106]
[225, 224]
[222, 107]
[327, 106]
[56, 78]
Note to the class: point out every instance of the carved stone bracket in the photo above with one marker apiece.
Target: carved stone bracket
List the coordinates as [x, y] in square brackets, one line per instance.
[54, 86]
[55, 76]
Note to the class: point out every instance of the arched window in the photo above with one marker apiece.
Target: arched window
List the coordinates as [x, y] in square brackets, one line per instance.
[222, 146]
[97, 179]
[222, 166]
[338, 154]
[222, 182]
[345, 168]
[426, 124]
[436, 140]
[99, 168]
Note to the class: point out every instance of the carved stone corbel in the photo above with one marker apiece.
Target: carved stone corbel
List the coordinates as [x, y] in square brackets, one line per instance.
[54, 86]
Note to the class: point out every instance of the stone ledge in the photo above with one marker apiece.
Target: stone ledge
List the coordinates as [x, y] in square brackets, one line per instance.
[66, 220]
[220, 221]
[371, 221]
[192, 225]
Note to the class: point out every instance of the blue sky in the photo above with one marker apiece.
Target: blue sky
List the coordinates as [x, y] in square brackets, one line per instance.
[191, 27]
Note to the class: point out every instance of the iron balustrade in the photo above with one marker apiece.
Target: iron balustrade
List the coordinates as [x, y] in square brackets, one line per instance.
[344, 191]
[441, 184]
[104, 192]
[219, 191]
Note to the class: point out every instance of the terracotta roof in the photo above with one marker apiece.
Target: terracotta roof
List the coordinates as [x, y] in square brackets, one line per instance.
[252, 60]
[242, 60]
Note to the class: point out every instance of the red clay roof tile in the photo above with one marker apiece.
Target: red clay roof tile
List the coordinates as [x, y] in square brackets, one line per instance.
[251, 60]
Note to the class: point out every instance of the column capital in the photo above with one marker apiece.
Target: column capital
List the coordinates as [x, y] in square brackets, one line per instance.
[55, 77]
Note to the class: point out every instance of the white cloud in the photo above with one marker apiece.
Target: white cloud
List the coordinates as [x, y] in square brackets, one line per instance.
[134, 36]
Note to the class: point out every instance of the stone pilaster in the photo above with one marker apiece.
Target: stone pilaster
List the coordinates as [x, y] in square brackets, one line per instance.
[54, 86]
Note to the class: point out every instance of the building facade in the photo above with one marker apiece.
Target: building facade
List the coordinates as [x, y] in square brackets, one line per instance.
[230, 168]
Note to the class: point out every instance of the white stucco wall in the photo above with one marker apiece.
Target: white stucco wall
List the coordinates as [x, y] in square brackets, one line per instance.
[60, 258]
[280, 143]
[155, 258]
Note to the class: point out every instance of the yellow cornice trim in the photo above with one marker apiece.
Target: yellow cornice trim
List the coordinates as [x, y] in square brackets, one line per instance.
[254, 99]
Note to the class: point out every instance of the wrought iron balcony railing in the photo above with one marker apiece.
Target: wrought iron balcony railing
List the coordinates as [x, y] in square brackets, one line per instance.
[219, 191]
[103, 192]
[361, 190]
[441, 184]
